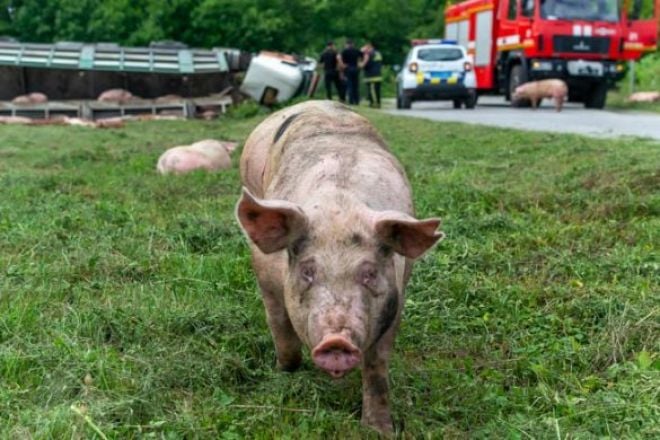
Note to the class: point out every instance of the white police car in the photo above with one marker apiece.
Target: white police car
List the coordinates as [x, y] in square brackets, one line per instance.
[436, 69]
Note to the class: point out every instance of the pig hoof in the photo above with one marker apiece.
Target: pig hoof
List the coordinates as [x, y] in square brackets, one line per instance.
[383, 425]
[290, 364]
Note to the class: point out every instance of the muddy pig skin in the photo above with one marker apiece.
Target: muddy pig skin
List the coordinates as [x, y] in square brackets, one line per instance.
[535, 91]
[328, 214]
[209, 155]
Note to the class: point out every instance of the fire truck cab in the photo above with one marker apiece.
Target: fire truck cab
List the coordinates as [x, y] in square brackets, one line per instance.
[583, 42]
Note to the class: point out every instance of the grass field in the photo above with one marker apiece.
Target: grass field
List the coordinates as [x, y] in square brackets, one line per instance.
[128, 308]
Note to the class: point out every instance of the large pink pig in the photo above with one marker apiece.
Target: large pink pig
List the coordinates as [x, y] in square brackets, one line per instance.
[329, 216]
[535, 91]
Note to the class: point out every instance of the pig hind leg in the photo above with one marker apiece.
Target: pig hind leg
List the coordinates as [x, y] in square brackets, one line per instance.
[559, 102]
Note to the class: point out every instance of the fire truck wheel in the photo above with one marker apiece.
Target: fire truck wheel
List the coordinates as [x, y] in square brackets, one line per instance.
[517, 76]
[457, 103]
[597, 96]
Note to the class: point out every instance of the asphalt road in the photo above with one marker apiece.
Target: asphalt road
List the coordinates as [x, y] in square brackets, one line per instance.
[574, 118]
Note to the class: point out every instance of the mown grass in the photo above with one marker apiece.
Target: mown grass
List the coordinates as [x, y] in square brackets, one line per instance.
[128, 307]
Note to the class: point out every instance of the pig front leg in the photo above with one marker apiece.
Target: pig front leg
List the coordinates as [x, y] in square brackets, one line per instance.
[269, 277]
[375, 386]
[287, 343]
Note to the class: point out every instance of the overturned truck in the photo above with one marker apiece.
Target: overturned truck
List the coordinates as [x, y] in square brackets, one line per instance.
[79, 73]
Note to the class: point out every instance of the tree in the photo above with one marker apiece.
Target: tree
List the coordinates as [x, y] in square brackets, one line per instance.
[298, 26]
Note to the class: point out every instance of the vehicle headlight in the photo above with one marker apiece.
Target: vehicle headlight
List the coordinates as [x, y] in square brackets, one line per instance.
[542, 65]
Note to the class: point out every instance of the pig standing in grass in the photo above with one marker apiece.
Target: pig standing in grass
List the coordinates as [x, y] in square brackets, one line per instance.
[535, 91]
[329, 216]
[209, 155]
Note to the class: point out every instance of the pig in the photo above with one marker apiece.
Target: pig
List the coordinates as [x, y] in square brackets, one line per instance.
[109, 123]
[535, 91]
[15, 120]
[32, 98]
[209, 155]
[328, 215]
[38, 98]
[644, 97]
[119, 96]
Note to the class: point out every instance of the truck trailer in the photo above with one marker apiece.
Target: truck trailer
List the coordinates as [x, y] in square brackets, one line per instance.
[586, 43]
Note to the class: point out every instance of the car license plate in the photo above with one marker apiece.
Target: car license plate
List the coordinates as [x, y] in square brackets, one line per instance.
[435, 80]
[452, 80]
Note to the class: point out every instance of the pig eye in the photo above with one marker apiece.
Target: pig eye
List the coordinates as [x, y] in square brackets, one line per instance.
[308, 272]
[368, 275]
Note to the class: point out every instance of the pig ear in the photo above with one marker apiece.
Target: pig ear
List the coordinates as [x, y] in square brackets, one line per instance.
[230, 146]
[406, 235]
[271, 224]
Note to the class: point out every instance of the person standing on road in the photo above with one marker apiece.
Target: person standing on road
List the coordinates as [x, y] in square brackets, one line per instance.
[373, 66]
[351, 58]
[330, 60]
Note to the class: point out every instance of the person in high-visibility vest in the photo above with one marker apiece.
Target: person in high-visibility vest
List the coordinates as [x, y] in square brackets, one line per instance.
[372, 65]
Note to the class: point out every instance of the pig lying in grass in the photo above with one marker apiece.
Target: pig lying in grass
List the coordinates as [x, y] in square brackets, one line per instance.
[535, 91]
[644, 97]
[329, 216]
[209, 155]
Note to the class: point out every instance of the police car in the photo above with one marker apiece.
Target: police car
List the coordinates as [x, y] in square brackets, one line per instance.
[437, 69]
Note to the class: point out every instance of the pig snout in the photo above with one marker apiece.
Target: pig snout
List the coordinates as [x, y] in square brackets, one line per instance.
[336, 355]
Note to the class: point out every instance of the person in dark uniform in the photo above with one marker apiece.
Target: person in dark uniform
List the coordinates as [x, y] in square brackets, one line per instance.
[372, 66]
[351, 58]
[329, 59]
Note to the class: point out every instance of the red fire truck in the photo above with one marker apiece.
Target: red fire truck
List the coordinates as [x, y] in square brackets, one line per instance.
[583, 42]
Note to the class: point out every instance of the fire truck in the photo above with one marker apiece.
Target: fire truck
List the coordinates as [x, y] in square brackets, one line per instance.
[583, 42]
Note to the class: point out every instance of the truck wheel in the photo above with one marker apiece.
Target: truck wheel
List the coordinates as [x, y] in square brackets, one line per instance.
[471, 100]
[517, 76]
[457, 103]
[597, 96]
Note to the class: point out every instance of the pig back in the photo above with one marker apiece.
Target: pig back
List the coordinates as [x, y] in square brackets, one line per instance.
[322, 146]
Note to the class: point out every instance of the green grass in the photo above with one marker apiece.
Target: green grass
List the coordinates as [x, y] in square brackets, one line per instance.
[618, 100]
[647, 79]
[128, 306]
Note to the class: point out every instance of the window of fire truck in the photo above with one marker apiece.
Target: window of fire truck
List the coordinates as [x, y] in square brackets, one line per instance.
[641, 9]
[440, 54]
[513, 9]
[592, 10]
[528, 8]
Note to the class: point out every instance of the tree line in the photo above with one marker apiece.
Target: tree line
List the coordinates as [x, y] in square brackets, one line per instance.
[294, 26]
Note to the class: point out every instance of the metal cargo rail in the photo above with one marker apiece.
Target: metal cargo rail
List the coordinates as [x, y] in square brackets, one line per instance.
[83, 71]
